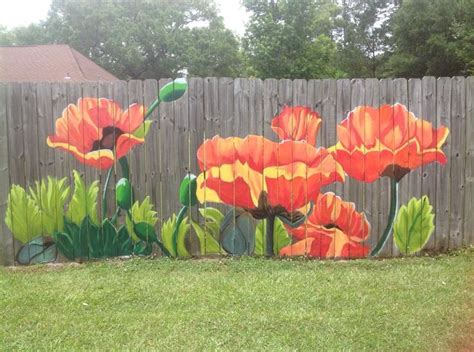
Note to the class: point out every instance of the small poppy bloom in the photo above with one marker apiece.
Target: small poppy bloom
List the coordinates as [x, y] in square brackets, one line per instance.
[298, 123]
[98, 132]
[387, 141]
[334, 229]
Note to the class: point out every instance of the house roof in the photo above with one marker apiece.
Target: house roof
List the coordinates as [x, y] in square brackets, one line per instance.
[48, 63]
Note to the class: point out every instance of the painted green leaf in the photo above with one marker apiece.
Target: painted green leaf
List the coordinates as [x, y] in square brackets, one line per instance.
[143, 130]
[123, 242]
[51, 195]
[187, 190]
[142, 248]
[281, 238]
[173, 90]
[212, 215]
[37, 251]
[90, 240]
[65, 244]
[145, 231]
[23, 215]
[207, 238]
[167, 236]
[414, 225]
[84, 201]
[109, 236]
[141, 212]
[237, 232]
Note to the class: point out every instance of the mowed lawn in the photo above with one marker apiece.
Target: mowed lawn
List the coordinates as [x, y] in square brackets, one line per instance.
[413, 304]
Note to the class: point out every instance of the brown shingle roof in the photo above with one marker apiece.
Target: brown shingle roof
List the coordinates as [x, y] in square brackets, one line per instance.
[48, 63]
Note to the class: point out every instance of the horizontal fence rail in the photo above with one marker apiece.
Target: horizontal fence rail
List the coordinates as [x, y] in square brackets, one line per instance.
[226, 107]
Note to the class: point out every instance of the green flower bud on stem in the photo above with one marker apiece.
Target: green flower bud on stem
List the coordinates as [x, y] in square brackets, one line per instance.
[187, 190]
[123, 194]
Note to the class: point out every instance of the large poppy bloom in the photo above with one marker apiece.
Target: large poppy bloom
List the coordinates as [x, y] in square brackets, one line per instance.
[298, 123]
[387, 141]
[264, 177]
[98, 132]
[334, 229]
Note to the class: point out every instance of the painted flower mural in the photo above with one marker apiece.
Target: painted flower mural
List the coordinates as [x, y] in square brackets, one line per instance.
[273, 191]
[334, 230]
[98, 132]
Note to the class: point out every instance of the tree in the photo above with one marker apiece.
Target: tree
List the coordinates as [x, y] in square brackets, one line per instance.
[433, 38]
[291, 38]
[143, 39]
[364, 35]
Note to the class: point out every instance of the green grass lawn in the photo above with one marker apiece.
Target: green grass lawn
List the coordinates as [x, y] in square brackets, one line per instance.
[420, 304]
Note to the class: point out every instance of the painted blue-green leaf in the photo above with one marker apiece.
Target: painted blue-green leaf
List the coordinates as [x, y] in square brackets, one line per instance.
[414, 225]
[237, 232]
[173, 90]
[109, 236]
[37, 251]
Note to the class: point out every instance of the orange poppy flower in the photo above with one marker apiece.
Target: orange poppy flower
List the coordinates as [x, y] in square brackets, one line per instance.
[98, 131]
[386, 141]
[264, 177]
[297, 123]
[334, 229]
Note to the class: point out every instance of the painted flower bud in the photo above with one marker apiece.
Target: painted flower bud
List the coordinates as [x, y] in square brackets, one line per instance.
[174, 90]
[123, 194]
[187, 190]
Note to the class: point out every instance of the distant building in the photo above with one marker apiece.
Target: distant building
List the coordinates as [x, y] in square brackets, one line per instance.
[48, 63]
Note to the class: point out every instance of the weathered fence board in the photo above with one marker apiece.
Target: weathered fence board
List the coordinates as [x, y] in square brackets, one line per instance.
[240, 107]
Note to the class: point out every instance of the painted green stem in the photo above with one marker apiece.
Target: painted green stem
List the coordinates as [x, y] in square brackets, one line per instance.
[269, 236]
[152, 107]
[125, 168]
[179, 220]
[104, 193]
[391, 218]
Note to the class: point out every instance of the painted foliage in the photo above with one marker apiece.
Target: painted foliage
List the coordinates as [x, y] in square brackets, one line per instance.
[273, 191]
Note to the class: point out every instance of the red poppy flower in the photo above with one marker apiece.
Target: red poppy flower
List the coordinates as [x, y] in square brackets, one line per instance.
[334, 229]
[97, 131]
[264, 177]
[297, 123]
[386, 141]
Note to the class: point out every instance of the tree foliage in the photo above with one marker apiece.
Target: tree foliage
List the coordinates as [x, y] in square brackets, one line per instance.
[283, 39]
[140, 39]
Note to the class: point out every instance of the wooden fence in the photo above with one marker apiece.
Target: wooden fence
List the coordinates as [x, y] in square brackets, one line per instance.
[238, 107]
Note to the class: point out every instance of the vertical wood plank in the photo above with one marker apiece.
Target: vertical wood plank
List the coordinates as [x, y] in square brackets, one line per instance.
[444, 90]
[428, 183]
[400, 96]
[468, 238]
[386, 97]
[137, 156]
[16, 155]
[59, 103]
[456, 161]
[372, 190]
[343, 107]
[7, 255]
[169, 161]
[357, 188]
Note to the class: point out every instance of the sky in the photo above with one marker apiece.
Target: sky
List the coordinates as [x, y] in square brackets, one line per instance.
[15, 13]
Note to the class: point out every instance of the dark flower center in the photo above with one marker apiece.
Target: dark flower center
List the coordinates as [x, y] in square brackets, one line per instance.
[265, 210]
[332, 226]
[396, 172]
[109, 138]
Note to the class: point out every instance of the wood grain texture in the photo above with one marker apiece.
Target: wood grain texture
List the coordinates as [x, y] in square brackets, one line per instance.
[239, 107]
